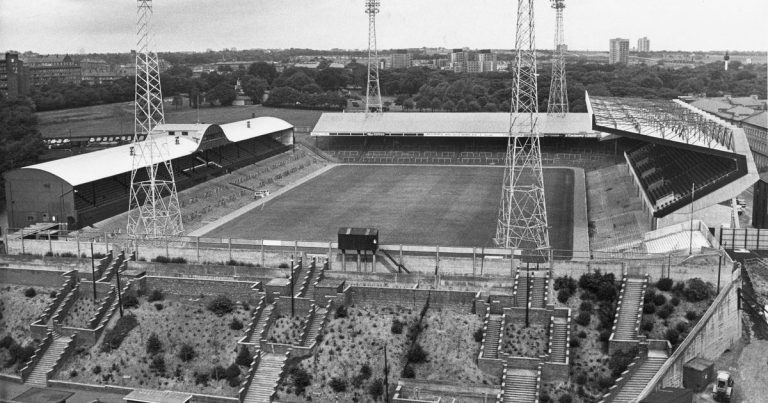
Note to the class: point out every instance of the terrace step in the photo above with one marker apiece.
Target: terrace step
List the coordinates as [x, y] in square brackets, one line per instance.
[639, 379]
[265, 378]
[314, 327]
[46, 363]
[520, 386]
[538, 292]
[630, 303]
[309, 291]
[492, 335]
[559, 341]
[260, 324]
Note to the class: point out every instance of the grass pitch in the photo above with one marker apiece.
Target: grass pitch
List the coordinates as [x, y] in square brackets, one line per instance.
[411, 205]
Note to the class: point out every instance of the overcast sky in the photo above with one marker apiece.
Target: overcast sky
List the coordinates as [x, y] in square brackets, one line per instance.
[71, 26]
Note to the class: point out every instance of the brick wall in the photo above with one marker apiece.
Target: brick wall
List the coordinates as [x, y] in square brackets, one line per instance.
[31, 277]
[235, 290]
[412, 297]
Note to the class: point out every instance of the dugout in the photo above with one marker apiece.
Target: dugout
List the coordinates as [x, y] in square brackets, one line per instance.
[83, 189]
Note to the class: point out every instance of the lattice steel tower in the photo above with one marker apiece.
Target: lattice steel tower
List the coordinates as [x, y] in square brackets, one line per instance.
[522, 220]
[557, 103]
[153, 210]
[372, 91]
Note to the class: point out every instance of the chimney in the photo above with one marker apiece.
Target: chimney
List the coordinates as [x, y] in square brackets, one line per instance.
[248, 123]
[253, 115]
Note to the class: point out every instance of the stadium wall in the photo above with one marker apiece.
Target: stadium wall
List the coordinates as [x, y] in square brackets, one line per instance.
[36, 196]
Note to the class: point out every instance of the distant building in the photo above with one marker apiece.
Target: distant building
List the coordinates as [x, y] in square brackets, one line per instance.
[14, 80]
[45, 69]
[643, 45]
[487, 60]
[96, 71]
[562, 47]
[464, 61]
[402, 59]
[619, 51]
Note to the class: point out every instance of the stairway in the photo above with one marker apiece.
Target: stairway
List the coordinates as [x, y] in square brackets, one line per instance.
[521, 296]
[539, 291]
[559, 340]
[314, 328]
[633, 297]
[492, 333]
[260, 323]
[520, 386]
[309, 292]
[50, 356]
[265, 379]
[640, 378]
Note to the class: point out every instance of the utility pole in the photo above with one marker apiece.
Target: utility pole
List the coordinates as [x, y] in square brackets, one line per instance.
[522, 219]
[386, 374]
[93, 273]
[527, 292]
[291, 281]
[373, 89]
[690, 241]
[557, 104]
[119, 291]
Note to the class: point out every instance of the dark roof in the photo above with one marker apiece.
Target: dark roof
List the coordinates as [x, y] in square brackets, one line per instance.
[40, 395]
[761, 120]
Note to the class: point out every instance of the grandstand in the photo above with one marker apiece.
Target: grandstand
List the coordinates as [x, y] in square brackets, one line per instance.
[689, 160]
[86, 188]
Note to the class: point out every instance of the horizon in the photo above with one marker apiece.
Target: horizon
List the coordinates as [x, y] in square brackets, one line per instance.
[685, 25]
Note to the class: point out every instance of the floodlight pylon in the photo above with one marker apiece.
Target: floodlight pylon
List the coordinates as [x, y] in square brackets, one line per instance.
[154, 211]
[557, 104]
[373, 89]
[522, 219]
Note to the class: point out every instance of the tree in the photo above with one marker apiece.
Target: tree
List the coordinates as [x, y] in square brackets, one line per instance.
[254, 88]
[263, 70]
[223, 92]
[20, 142]
[376, 389]
[408, 104]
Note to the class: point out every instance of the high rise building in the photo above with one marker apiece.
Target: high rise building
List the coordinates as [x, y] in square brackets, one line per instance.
[619, 51]
[464, 61]
[487, 60]
[401, 59]
[643, 45]
[45, 69]
[14, 81]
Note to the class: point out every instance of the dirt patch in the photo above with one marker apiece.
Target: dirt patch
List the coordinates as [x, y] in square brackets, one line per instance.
[81, 312]
[521, 341]
[286, 330]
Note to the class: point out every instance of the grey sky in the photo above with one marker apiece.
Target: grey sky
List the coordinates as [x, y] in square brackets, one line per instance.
[65, 26]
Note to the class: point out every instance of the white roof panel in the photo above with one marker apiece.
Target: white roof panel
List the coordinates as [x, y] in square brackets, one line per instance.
[250, 128]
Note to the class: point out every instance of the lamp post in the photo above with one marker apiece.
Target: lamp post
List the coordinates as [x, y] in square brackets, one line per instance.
[527, 292]
[290, 279]
[690, 241]
[93, 274]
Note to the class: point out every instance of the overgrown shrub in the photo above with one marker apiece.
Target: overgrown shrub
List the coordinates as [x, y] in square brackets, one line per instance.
[647, 326]
[679, 288]
[603, 286]
[53, 294]
[565, 283]
[161, 259]
[397, 327]
[30, 292]
[583, 319]
[155, 295]
[178, 260]
[408, 372]
[691, 315]
[681, 327]
[586, 306]
[157, 365]
[665, 311]
[96, 370]
[338, 385]
[672, 335]
[365, 371]
[19, 354]
[649, 308]
[696, 290]
[7, 341]
[341, 312]
[581, 378]
[575, 342]
[130, 299]
[232, 374]
[582, 334]
[604, 336]
[221, 305]
[115, 336]
[649, 295]
[159, 306]
[478, 334]
[218, 372]
[565, 399]
[604, 382]
[417, 354]
[186, 352]
[283, 266]
[244, 357]
[154, 345]
[235, 324]
[376, 389]
[664, 284]
[620, 360]
[563, 295]
[201, 378]
[674, 301]
[659, 299]
[606, 313]
[300, 379]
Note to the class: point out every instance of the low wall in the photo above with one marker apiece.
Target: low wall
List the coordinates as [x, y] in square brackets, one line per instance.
[121, 390]
[236, 290]
[535, 315]
[31, 277]
[717, 330]
[240, 273]
[414, 297]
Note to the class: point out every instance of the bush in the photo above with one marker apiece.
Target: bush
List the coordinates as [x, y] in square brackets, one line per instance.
[575, 342]
[115, 336]
[620, 360]
[417, 354]
[73, 373]
[244, 357]
[218, 373]
[7, 341]
[582, 334]
[283, 266]
[397, 327]
[130, 300]
[30, 292]
[186, 352]
[649, 296]
[681, 327]
[154, 345]
[96, 370]
[586, 306]
[341, 312]
[478, 334]
[672, 335]
[338, 385]
[155, 295]
[649, 308]
[605, 382]
[201, 378]
[647, 326]
[300, 379]
[565, 399]
[605, 335]
[178, 260]
[664, 284]
[376, 389]
[235, 324]
[563, 295]
[20, 354]
[674, 301]
[679, 288]
[581, 378]
[161, 259]
[691, 315]
[365, 371]
[157, 365]
[232, 374]
[603, 286]
[565, 283]
[53, 294]
[659, 299]
[697, 290]
[408, 372]
[544, 397]
[665, 311]
[583, 319]
[221, 305]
